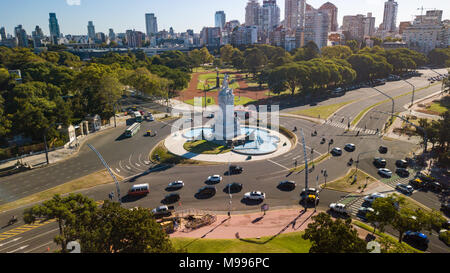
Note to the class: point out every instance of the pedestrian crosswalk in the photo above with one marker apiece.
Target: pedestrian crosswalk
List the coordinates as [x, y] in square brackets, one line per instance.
[345, 126]
[23, 229]
[352, 203]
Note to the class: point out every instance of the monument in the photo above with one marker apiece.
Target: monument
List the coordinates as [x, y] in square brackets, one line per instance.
[227, 125]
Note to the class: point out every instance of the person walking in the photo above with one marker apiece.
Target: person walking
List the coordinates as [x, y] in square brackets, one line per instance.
[111, 196]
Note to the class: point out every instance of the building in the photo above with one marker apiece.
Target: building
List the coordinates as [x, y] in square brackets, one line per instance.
[37, 36]
[394, 45]
[211, 37]
[390, 16]
[134, 38]
[353, 27]
[294, 14]
[332, 11]
[100, 38]
[432, 17]
[228, 30]
[269, 15]
[244, 35]
[112, 35]
[403, 26]
[220, 19]
[369, 25]
[151, 24]
[21, 35]
[336, 38]
[2, 34]
[252, 13]
[316, 27]
[91, 31]
[55, 33]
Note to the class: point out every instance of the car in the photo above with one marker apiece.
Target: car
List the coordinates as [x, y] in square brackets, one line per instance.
[211, 115]
[214, 179]
[401, 163]
[311, 195]
[287, 185]
[233, 188]
[172, 198]
[236, 169]
[373, 197]
[385, 172]
[207, 190]
[336, 151]
[255, 195]
[362, 212]
[416, 238]
[151, 118]
[176, 185]
[339, 208]
[425, 177]
[139, 190]
[350, 147]
[434, 186]
[406, 189]
[338, 91]
[383, 150]
[402, 172]
[379, 162]
[162, 211]
[445, 207]
[417, 183]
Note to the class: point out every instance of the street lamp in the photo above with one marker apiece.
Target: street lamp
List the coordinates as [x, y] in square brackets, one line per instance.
[393, 101]
[45, 140]
[414, 89]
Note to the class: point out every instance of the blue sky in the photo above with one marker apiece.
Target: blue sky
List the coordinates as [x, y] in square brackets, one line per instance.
[180, 14]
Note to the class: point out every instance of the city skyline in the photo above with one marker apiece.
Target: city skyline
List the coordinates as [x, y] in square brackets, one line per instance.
[172, 13]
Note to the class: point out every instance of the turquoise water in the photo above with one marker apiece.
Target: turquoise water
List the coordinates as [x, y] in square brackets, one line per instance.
[263, 142]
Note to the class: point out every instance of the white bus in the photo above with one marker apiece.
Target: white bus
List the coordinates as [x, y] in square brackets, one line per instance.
[133, 129]
[138, 116]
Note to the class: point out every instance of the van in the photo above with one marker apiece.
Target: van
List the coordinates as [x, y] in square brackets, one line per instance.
[139, 190]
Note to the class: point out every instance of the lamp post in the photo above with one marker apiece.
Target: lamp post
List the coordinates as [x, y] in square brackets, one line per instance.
[45, 140]
[392, 99]
[414, 90]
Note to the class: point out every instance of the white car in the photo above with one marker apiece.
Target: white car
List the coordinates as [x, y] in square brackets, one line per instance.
[385, 172]
[406, 189]
[255, 195]
[161, 210]
[215, 178]
[176, 184]
[339, 208]
[374, 196]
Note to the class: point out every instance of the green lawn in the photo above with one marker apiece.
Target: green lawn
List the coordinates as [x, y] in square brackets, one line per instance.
[439, 107]
[348, 184]
[324, 111]
[284, 243]
[205, 147]
[242, 100]
[209, 80]
[209, 101]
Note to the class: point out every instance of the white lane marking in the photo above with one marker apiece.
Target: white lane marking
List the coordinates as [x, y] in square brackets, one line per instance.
[137, 164]
[48, 243]
[32, 238]
[118, 170]
[12, 241]
[278, 164]
[128, 167]
[20, 248]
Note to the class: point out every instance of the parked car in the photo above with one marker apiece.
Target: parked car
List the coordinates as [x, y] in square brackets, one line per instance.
[236, 169]
[233, 188]
[401, 164]
[336, 151]
[176, 185]
[211, 115]
[406, 189]
[385, 172]
[434, 186]
[162, 211]
[214, 179]
[425, 177]
[362, 212]
[350, 147]
[339, 208]
[383, 150]
[255, 195]
[416, 238]
[417, 183]
[379, 162]
[402, 172]
[287, 185]
[373, 197]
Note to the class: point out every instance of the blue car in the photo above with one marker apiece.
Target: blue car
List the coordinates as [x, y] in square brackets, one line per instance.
[416, 237]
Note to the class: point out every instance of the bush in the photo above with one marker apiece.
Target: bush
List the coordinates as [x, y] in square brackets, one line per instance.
[445, 237]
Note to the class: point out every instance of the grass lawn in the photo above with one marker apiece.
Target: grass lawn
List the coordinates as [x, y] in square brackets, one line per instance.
[205, 147]
[439, 107]
[209, 101]
[315, 162]
[209, 80]
[166, 157]
[89, 181]
[242, 100]
[324, 111]
[284, 243]
[348, 184]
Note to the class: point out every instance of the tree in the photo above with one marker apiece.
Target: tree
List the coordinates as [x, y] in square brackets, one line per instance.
[353, 45]
[237, 59]
[254, 60]
[67, 211]
[328, 236]
[404, 220]
[384, 213]
[113, 229]
[285, 77]
[226, 53]
[336, 52]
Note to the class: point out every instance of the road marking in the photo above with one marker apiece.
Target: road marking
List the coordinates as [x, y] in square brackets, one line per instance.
[137, 164]
[128, 167]
[278, 164]
[22, 229]
[48, 243]
[12, 241]
[118, 170]
[20, 248]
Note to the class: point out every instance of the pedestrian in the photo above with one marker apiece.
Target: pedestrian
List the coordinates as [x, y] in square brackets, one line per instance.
[296, 163]
[111, 196]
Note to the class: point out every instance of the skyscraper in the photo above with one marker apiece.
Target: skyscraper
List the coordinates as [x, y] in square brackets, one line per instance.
[151, 24]
[353, 27]
[390, 16]
[369, 25]
[316, 27]
[220, 19]
[37, 36]
[295, 14]
[21, 35]
[270, 15]
[332, 11]
[2, 34]
[112, 35]
[252, 13]
[134, 38]
[55, 33]
[91, 30]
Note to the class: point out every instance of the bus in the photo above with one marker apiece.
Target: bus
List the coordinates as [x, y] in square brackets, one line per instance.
[133, 129]
[138, 116]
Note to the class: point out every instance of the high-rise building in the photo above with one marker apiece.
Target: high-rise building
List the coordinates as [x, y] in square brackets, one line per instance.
[369, 25]
[211, 36]
[252, 13]
[2, 34]
[151, 24]
[21, 35]
[37, 36]
[112, 35]
[403, 26]
[316, 27]
[390, 16]
[432, 17]
[332, 11]
[353, 27]
[134, 38]
[91, 31]
[220, 19]
[55, 33]
[244, 35]
[294, 14]
[269, 15]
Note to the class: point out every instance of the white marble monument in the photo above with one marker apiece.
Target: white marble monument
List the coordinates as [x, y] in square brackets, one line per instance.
[227, 125]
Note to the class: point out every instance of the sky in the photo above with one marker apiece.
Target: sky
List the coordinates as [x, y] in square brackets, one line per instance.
[73, 15]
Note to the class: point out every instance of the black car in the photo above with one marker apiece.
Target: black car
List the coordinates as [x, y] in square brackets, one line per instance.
[207, 190]
[287, 186]
[401, 164]
[380, 162]
[425, 178]
[434, 186]
[233, 188]
[402, 172]
[236, 169]
[383, 150]
[172, 198]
